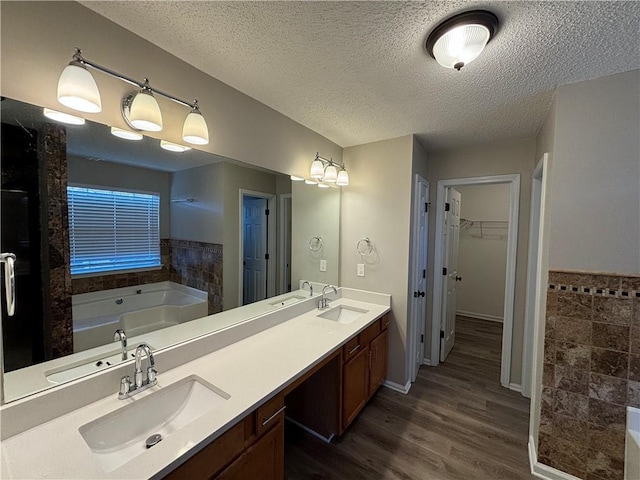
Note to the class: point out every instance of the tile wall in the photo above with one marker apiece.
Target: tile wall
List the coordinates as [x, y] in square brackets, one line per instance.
[591, 372]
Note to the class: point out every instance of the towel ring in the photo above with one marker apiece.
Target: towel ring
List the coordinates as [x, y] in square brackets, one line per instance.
[364, 247]
[315, 244]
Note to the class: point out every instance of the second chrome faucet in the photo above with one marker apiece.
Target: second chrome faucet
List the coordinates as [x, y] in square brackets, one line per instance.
[127, 389]
[324, 301]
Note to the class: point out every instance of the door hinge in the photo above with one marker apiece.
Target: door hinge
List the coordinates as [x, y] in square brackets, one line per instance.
[447, 207]
[424, 274]
[266, 256]
[426, 206]
[444, 270]
[441, 333]
[421, 338]
[266, 212]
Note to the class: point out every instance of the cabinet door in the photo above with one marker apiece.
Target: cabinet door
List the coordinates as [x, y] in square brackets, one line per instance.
[264, 460]
[378, 362]
[355, 386]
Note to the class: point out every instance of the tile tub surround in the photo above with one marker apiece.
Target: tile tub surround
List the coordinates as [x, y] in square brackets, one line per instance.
[591, 372]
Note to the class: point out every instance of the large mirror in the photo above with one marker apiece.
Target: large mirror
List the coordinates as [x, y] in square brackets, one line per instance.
[122, 235]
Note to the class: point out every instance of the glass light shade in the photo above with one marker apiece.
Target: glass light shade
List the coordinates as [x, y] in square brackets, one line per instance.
[323, 185]
[173, 147]
[310, 182]
[126, 134]
[330, 174]
[63, 117]
[78, 90]
[296, 179]
[195, 129]
[144, 113]
[343, 178]
[460, 45]
[317, 169]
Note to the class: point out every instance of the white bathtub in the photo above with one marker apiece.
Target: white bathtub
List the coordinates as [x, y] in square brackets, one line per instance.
[137, 310]
[632, 445]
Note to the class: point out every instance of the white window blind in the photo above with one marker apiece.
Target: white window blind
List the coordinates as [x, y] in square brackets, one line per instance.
[113, 230]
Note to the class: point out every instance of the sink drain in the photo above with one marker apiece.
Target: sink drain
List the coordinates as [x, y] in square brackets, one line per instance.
[153, 440]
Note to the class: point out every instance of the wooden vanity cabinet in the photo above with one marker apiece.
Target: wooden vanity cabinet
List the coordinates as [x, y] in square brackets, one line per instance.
[252, 448]
[364, 368]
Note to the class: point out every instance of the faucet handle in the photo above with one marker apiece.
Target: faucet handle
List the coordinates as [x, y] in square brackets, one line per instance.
[125, 387]
[151, 375]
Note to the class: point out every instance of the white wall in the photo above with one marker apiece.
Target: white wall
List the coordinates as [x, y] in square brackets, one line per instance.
[377, 205]
[315, 212]
[38, 40]
[498, 158]
[482, 259]
[116, 175]
[595, 189]
[202, 220]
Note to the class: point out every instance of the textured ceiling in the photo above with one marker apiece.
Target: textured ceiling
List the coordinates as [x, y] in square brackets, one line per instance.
[357, 72]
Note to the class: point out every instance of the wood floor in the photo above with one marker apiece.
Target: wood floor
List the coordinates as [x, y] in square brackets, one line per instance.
[457, 422]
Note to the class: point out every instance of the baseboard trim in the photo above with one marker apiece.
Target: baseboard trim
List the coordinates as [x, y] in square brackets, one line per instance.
[308, 430]
[540, 470]
[516, 387]
[426, 361]
[480, 316]
[397, 387]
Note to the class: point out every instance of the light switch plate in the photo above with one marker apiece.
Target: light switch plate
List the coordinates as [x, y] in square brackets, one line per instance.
[361, 269]
[323, 265]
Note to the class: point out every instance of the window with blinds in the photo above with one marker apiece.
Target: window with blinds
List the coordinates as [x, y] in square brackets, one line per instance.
[113, 230]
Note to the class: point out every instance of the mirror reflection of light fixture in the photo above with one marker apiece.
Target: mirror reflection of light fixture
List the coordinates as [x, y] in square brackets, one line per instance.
[323, 185]
[78, 90]
[327, 171]
[126, 134]
[296, 179]
[310, 182]
[173, 147]
[458, 40]
[63, 117]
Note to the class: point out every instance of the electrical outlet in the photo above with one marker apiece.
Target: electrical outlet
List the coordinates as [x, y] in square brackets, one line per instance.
[361, 269]
[323, 265]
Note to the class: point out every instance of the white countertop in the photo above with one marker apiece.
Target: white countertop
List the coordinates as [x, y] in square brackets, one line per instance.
[250, 371]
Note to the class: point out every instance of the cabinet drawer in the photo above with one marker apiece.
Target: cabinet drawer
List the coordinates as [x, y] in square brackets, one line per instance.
[351, 348]
[370, 333]
[269, 413]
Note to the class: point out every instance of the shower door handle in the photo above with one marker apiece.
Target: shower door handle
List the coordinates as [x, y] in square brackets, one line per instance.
[9, 281]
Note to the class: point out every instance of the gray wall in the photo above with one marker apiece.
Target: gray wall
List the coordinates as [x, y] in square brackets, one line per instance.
[119, 176]
[506, 157]
[594, 206]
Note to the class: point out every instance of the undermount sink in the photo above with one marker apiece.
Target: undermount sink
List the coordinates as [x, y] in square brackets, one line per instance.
[120, 436]
[87, 366]
[343, 314]
[287, 301]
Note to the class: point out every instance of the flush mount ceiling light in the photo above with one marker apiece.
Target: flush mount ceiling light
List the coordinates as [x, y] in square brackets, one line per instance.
[78, 90]
[460, 39]
[126, 134]
[173, 147]
[63, 117]
[326, 170]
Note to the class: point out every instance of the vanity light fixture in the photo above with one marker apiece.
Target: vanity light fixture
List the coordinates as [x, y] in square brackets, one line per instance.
[173, 147]
[77, 89]
[460, 39]
[326, 170]
[63, 117]
[126, 134]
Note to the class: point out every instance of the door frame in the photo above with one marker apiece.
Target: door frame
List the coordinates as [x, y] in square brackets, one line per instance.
[416, 326]
[510, 278]
[282, 233]
[271, 241]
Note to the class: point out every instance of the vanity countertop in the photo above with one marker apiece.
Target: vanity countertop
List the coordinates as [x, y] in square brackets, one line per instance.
[250, 371]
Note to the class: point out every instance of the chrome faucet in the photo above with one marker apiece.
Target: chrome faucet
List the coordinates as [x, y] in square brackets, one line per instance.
[324, 301]
[139, 383]
[120, 336]
[310, 287]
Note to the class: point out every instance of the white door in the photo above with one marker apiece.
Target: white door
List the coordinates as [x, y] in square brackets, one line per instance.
[254, 242]
[451, 242]
[421, 222]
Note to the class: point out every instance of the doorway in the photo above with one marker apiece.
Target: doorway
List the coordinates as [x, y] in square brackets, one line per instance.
[257, 247]
[448, 226]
